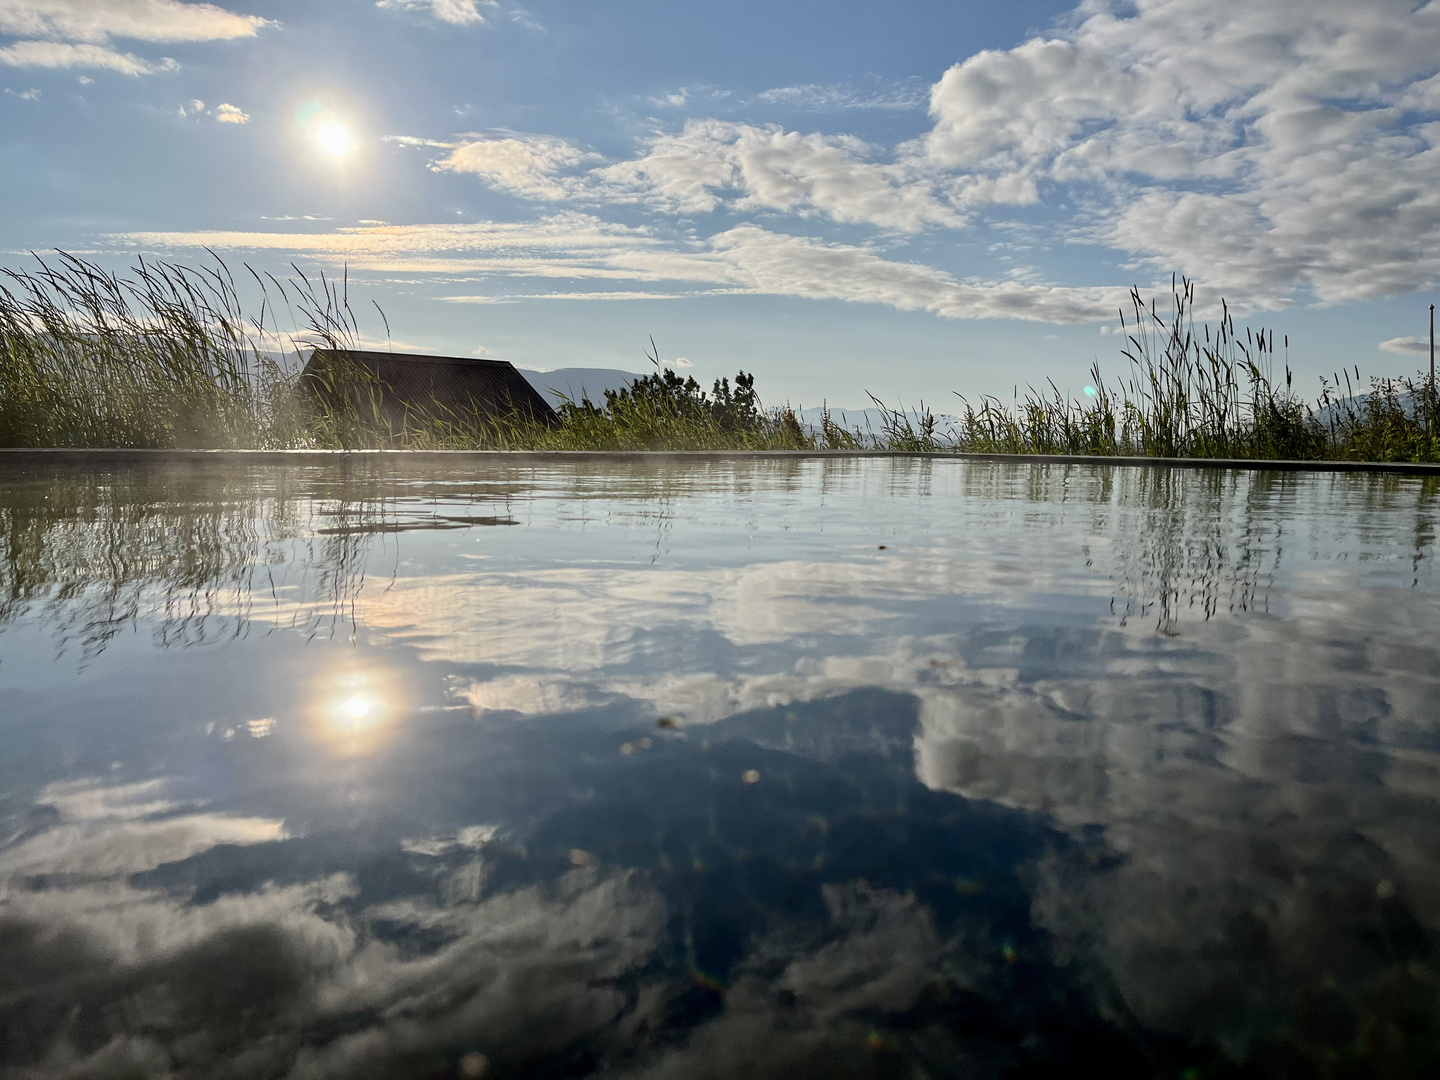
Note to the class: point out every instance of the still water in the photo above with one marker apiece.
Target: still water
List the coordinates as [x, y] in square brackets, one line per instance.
[692, 768]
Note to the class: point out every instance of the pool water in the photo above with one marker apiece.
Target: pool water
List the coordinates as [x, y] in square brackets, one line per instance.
[689, 767]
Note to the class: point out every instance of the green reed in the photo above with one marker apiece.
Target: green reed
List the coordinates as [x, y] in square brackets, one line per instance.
[1198, 392]
[160, 356]
[165, 355]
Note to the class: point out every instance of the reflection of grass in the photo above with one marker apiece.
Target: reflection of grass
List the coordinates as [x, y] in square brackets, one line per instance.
[165, 356]
[203, 551]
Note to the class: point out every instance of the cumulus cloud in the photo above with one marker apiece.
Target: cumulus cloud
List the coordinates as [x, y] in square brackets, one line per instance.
[529, 166]
[1275, 154]
[226, 113]
[1250, 143]
[456, 12]
[713, 162]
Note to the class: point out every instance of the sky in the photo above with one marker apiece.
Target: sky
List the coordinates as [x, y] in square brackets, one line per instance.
[908, 199]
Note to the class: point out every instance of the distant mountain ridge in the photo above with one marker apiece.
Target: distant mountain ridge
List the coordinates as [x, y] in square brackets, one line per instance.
[575, 383]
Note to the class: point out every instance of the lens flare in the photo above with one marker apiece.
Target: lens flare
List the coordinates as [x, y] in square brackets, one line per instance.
[333, 139]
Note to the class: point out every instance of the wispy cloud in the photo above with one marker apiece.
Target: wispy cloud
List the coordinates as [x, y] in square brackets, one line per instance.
[455, 12]
[141, 20]
[24, 95]
[900, 96]
[618, 294]
[580, 247]
[78, 33]
[1407, 346]
[60, 54]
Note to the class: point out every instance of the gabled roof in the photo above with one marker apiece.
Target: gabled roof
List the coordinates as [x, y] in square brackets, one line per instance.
[392, 389]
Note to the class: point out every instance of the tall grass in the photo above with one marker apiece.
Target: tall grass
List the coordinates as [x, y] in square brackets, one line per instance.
[160, 356]
[1194, 392]
[165, 355]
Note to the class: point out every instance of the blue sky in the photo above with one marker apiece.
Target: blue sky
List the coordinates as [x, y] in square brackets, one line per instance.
[907, 198]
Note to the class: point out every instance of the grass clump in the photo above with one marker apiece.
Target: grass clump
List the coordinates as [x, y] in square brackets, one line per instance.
[162, 356]
[1196, 393]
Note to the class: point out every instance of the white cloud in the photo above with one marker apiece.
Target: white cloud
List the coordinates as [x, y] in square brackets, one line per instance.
[142, 20]
[530, 166]
[1270, 152]
[815, 97]
[711, 163]
[226, 113]
[58, 54]
[24, 95]
[76, 33]
[456, 12]
[1252, 143]
[613, 294]
[745, 259]
[1407, 346]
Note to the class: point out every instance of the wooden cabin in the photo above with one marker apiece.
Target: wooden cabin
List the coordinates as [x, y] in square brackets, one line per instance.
[394, 391]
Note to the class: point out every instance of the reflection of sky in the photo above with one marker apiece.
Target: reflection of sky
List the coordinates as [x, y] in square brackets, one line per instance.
[689, 760]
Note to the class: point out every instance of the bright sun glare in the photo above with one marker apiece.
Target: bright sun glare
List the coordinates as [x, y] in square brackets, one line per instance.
[333, 139]
[357, 707]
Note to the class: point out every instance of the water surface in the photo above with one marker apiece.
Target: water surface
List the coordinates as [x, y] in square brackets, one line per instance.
[777, 767]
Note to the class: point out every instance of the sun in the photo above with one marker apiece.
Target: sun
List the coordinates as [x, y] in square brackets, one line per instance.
[333, 139]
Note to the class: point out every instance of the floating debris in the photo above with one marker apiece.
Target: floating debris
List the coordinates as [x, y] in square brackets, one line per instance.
[580, 857]
[633, 747]
[882, 1043]
[667, 722]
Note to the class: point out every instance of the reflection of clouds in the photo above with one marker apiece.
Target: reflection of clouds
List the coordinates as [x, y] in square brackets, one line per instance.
[880, 956]
[575, 620]
[116, 980]
[1258, 782]
[524, 975]
[1243, 785]
[99, 831]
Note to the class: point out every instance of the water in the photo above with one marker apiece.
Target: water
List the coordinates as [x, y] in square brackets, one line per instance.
[717, 768]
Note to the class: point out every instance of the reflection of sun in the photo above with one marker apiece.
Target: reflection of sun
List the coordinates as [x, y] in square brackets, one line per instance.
[333, 139]
[357, 707]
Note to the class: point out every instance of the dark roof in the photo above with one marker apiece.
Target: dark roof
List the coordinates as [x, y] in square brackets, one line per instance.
[393, 388]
